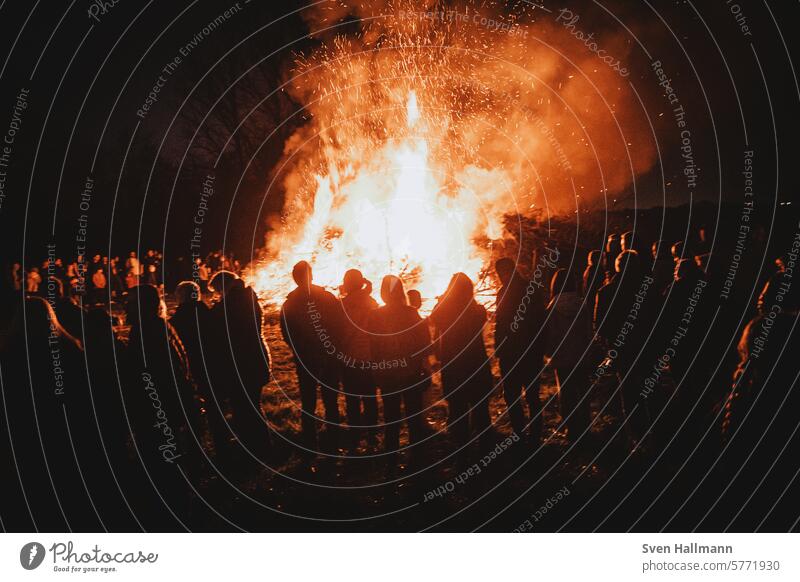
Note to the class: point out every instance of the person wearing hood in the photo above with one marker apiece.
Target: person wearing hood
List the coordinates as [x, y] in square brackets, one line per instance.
[400, 344]
[467, 380]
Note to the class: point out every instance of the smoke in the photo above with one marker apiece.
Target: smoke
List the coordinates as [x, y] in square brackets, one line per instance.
[515, 88]
[520, 113]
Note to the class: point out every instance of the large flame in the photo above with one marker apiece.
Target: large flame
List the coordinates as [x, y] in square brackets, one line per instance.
[426, 129]
[390, 214]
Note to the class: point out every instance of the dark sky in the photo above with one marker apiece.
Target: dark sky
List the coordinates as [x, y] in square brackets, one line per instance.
[86, 78]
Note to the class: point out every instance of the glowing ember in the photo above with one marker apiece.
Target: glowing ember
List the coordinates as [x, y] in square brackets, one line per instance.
[392, 216]
[425, 131]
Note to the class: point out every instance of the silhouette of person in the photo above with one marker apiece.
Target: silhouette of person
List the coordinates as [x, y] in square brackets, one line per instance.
[160, 397]
[613, 249]
[356, 356]
[102, 351]
[16, 276]
[311, 323]
[218, 361]
[415, 299]
[195, 327]
[593, 275]
[466, 372]
[159, 369]
[629, 241]
[400, 344]
[244, 362]
[623, 318]
[687, 293]
[678, 250]
[519, 346]
[568, 331]
[755, 401]
[772, 288]
[425, 377]
[663, 266]
[759, 426]
[45, 397]
[103, 450]
[609, 312]
[679, 333]
[67, 308]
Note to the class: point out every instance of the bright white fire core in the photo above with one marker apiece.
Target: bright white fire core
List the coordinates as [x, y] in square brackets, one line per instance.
[392, 214]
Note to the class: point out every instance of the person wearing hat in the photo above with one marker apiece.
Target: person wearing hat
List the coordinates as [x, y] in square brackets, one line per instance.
[357, 380]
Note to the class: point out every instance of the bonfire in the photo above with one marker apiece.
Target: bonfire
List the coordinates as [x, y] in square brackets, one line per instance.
[427, 130]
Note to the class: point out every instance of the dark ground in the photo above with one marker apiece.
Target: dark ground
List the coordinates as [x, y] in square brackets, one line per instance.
[596, 484]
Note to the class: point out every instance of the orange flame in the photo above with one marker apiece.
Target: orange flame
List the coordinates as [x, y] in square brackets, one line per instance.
[427, 128]
[391, 216]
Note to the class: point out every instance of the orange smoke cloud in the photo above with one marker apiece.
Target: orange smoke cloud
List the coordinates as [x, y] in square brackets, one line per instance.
[442, 121]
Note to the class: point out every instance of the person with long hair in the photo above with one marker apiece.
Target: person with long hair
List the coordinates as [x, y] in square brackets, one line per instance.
[467, 380]
[400, 343]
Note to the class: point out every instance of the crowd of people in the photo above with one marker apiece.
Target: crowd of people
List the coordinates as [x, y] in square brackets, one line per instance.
[102, 279]
[112, 375]
[621, 334]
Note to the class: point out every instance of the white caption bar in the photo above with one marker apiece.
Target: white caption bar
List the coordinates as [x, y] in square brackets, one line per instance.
[399, 557]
